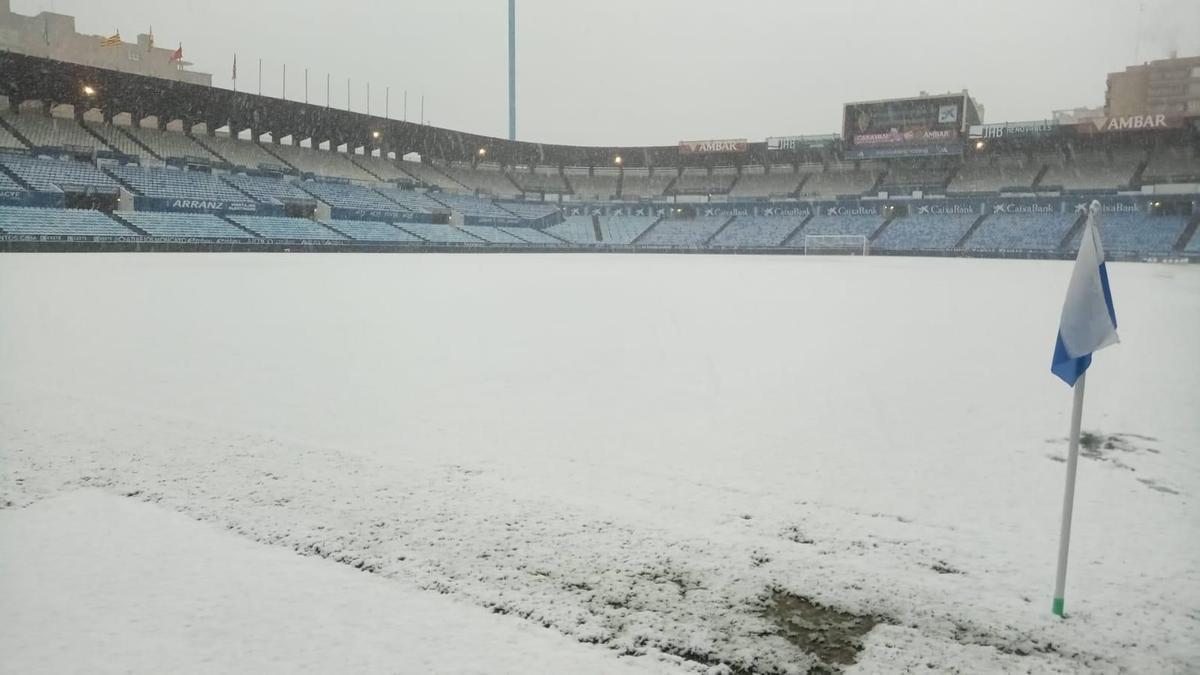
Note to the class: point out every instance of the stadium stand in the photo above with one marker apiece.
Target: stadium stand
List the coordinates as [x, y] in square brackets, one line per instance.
[600, 186]
[912, 176]
[925, 232]
[470, 205]
[381, 168]
[120, 142]
[623, 230]
[265, 190]
[1022, 232]
[1172, 164]
[286, 228]
[349, 196]
[43, 131]
[1137, 232]
[7, 140]
[529, 210]
[320, 162]
[688, 233]
[237, 152]
[782, 181]
[494, 235]
[994, 172]
[1089, 169]
[411, 200]
[441, 234]
[840, 179]
[863, 226]
[486, 178]
[1193, 245]
[175, 184]
[751, 231]
[697, 181]
[52, 175]
[541, 180]
[575, 229]
[429, 175]
[531, 235]
[640, 183]
[24, 220]
[7, 183]
[365, 230]
[167, 144]
[197, 225]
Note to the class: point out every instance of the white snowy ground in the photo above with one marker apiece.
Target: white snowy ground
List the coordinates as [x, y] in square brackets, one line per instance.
[636, 450]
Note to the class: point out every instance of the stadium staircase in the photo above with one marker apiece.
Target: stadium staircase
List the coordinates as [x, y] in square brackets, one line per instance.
[452, 179]
[1136, 180]
[13, 130]
[620, 182]
[736, 178]
[709, 241]
[881, 229]
[92, 132]
[282, 162]
[240, 227]
[567, 182]
[638, 239]
[368, 171]
[669, 186]
[136, 141]
[117, 217]
[206, 146]
[1065, 244]
[15, 178]
[122, 183]
[512, 180]
[970, 232]
[1037, 180]
[1187, 234]
[796, 193]
[596, 230]
[796, 232]
[877, 185]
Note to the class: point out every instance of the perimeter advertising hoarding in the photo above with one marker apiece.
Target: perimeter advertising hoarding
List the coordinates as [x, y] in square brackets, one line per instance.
[775, 143]
[711, 147]
[1013, 129]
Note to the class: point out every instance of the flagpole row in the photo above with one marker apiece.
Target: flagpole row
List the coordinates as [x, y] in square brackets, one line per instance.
[1064, 538]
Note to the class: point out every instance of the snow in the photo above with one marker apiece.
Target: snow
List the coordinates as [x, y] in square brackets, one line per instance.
[635, 450]
[97, 583]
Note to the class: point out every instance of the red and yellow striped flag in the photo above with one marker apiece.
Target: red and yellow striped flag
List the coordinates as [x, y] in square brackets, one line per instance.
[113, 40]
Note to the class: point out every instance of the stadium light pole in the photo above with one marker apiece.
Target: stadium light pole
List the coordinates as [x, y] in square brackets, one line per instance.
[284, 92]
[512, 70]
[306, 86]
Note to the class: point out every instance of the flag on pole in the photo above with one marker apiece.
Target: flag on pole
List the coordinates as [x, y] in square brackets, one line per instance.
[177, 55]
[113, 40]
[1089, 322]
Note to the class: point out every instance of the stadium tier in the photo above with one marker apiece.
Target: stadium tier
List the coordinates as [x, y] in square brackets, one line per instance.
[43, 131]
[925, 232]
[381, 168]
[994, 172]
[575, 229]
[238, 152]
[902, 177]
[441, 234]
[471, 205]
[265, 190]
[430, 176]
[531, 235]
[119, 141]
[53, 175]
[1172, 165]
[411, 200]
[1137, 232]
[540, 181]
[640, 183]
[616, 230]
[7, 183]
[782, 181]
[7, 140]
[175, 184]
[860, 226]
[486, 178]
[193, 225]
[603, 184]
[168, 144]
[751, 231]
[529, 210]
[349, 196]
[273, 227]
[362, 230]
[494, 235]
[695, 181]
[1022, 231]
[687, 233]
[839, 179]
[320, 162]
[1087, 170]
[19, 220]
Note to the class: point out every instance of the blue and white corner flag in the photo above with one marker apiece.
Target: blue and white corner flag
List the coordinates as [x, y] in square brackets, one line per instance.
[1089, 322]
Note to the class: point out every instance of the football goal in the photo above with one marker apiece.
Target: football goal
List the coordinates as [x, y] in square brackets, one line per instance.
[836, 244]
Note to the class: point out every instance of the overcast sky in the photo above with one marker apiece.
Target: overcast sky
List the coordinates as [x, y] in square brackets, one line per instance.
[612, 72]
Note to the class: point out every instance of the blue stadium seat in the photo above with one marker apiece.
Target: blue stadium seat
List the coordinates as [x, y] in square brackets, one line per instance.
[925, 232]
[688, 233]
[531, 235]
[757, 231]
[53, 175]
[176, 184]
[350, 196]
[863, 226]
[23, 220]
[1137, 232]
[365, 230]
[266, 190]
[274, 227]
[492, 234]
[1021, 232]
[441, 234]
[198, 225]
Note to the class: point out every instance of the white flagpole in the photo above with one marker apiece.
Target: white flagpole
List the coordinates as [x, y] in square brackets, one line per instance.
[1064, 538]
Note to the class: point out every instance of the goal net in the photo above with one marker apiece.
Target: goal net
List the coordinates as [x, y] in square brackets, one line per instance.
[836, 244]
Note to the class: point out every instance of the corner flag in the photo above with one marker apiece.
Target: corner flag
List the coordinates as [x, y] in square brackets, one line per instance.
[1089, 322]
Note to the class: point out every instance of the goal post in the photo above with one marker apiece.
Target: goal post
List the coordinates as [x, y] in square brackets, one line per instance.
[836, 244]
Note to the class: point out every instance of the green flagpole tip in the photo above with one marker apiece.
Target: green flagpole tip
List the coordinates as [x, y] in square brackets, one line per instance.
[1058, 607]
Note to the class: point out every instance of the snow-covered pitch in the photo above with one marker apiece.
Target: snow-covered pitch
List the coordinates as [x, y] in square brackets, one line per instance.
[636, 452]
